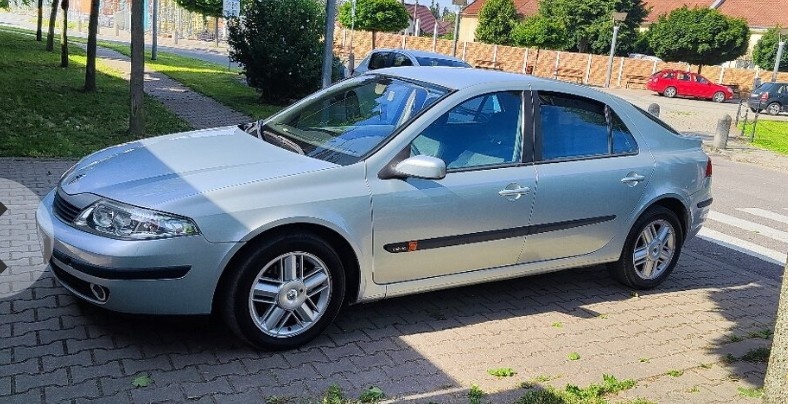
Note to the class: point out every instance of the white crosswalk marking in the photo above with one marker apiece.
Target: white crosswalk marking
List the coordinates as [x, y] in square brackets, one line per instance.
[767, 231]
[742, 246]
[765, 214]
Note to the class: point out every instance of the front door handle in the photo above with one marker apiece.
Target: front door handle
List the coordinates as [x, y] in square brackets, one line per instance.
[513, 191]
[632, 179]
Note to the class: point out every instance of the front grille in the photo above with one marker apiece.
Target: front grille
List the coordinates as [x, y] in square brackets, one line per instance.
[64, 210]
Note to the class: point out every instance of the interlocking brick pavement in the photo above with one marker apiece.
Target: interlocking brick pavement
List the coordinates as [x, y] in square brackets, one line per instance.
[430, 347]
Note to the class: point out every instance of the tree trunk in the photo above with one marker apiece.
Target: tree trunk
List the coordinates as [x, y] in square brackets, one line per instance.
[39, 20]
[775, 385]
[90, 66]
[136, 82]
[373, 39]
[64, 35]
[699, 67]
[51, 32]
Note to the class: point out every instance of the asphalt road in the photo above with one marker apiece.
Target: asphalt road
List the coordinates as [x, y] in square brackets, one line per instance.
[749, 214]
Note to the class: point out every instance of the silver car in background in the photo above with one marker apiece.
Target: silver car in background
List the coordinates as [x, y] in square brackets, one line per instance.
[394, 182]
[385, 58]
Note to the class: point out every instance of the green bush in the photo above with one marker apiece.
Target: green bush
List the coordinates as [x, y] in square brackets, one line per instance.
[279, 46]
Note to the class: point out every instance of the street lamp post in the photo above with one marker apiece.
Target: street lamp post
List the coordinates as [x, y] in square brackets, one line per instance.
[780, 49]
[617, 17]
[460, 4]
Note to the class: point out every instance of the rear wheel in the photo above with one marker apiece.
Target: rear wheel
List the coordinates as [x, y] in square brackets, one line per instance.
[719, 96]
[670, 92]
[651, 250]
[285, 291]
[773, 108]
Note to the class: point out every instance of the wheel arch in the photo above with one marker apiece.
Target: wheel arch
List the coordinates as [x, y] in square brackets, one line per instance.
[345, 250]
[675, 205]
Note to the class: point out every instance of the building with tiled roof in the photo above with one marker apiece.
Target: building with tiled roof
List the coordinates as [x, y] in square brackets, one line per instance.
[760, 15]
[426, 20]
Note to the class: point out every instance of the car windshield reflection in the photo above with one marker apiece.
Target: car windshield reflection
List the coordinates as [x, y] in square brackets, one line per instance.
[347, 122]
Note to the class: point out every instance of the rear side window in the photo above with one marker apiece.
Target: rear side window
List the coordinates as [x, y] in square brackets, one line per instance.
[427, 61]
[401, 60]
[575, 127]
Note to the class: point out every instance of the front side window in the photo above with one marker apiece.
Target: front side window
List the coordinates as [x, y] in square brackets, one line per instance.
[351, 119]
[401, 60]
[378, 60]
[684, 76]
[482, 131]
[575, 127]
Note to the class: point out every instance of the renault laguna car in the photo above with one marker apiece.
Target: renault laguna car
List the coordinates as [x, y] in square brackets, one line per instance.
[394, 182]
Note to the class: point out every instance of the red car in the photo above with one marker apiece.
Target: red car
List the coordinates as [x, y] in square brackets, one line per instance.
[671, 83]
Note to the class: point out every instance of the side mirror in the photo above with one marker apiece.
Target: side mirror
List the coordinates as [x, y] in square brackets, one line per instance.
[427, 167]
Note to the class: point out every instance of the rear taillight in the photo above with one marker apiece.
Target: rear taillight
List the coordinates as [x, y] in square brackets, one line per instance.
[708, 168]
[764, 96]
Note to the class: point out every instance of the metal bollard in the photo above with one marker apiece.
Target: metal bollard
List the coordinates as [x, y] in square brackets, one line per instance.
[723, 129]
[653, 109]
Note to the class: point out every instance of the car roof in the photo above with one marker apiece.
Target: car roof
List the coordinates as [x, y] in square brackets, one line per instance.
[420, 53]
[457, 78]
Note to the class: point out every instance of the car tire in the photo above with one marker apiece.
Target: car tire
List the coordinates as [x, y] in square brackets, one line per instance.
[773, 108]
[284, 291]
[670, 92]
[719, 96]
[658, 256]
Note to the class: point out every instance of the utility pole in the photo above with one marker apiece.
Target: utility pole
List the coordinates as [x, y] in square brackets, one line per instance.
[617, 17]
[328, 45]
[154, 43]
[780, 50]
[460, 4]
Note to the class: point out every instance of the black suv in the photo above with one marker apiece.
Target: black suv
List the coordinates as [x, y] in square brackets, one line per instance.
[772, 97]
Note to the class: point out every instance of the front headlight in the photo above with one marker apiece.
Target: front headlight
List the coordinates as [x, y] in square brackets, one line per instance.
[126, 222]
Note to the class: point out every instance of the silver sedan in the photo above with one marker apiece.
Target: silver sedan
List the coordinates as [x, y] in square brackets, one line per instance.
[394, 182]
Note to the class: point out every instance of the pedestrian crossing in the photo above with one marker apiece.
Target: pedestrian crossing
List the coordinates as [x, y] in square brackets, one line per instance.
[758, 232]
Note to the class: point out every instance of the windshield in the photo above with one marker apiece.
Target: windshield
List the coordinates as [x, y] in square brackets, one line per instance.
[351, 119]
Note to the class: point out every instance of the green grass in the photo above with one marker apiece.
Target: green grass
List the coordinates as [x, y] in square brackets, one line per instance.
[675, 373]
[757, 355]
[571, 394]
[45, 113]
[502, 372]
[751, 392]
[475, 395]
[573, 356]
[224, 85]
[771, 135]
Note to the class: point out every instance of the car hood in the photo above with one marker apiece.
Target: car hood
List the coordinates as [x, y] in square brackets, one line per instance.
[157, 170]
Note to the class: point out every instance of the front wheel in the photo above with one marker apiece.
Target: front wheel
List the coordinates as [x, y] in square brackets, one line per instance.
[285, 291]
[651, 250]
[670, 92]
[719, 96]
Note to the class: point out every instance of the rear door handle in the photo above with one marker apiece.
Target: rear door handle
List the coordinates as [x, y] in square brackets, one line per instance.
[632, 179]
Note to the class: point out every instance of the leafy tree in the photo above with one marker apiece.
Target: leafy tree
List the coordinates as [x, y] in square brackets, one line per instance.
[137, 77]
[436, 12]
[591, 22]
[51, 32]
[497, 20]
[64, 35]
[375, 15]
[90, 65]
[209, 8]
[542, 32]
[765, 50]
[699, 36]
[279, 46]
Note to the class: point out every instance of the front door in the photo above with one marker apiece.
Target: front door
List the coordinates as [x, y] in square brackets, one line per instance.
[475, 217]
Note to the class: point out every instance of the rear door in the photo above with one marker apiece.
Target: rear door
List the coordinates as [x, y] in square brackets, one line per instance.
[591, 175]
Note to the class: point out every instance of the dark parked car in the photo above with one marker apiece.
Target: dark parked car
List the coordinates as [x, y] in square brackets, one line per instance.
[671, 83]
[772, 97]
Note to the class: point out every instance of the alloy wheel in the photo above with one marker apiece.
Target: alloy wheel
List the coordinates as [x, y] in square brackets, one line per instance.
[654, 249]
[773, 108]
[290, 294]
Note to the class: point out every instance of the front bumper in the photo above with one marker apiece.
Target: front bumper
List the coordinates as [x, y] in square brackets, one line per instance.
[165, 276]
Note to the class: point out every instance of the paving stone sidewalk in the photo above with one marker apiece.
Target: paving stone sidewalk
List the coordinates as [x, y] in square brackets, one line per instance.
[198, 110]
[423, 348]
